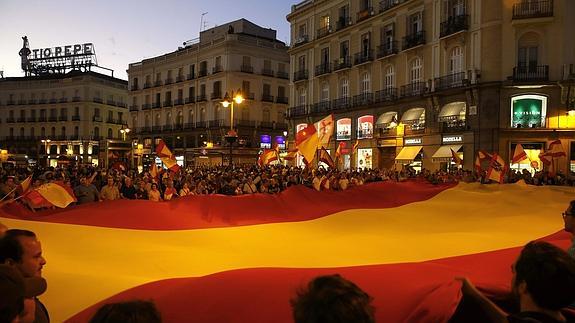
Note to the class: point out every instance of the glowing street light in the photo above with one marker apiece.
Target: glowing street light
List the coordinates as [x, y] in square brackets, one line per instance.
[228, 101]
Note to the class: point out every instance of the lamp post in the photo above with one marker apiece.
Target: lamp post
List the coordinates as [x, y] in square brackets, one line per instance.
[124, 132]
[46, 142]
[228, 101]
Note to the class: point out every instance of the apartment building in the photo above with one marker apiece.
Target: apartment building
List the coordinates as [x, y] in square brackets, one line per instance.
[178, 96]
[64, 118]
[412, 80]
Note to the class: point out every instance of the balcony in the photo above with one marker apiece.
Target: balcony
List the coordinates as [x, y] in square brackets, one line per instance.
[10, 120]
[98, 100]
[180, 78]
[454, 24]
[365, 56]
[300, 75]
[10, 102]
[122, 105]
[32, 101]
[111, 120]
[76, 118]
[216, 95]
[53, 100]
[387, 49]
[362, 99]
[156, 105]
[216, 123]
[533, 9]
[42, 119]
[385, 5]
[169, 80]
[42, 101]
[190, 77]
[249, 95]
[146, 129]
[147, 85]
[202, 73]
[298, 111]
[52, 118]
[63, 100]
[146, 106]
[321, 107]
[282, 99]
[365, 14]
[323, 68]
[111, 102]
[342, 22]
[531, 73]
[322, 32]
[189, 125]
[267, 72]
[383, 130]
[21, 120]
[156, 129]
[415, 129]
[413, 89]
[167, 103]
[134, 87]
[191, 99]
[247, 69]
[158, 83]
[302, 39]
[342, 63]
[217, 69]
[341, 104]
[246, 123]
[201, 98]
[167, 128]
[388, 94]
[414, 39]
[178, 101]
[63, 118]
[76, 99]
[283, 75]
[267, 98]
[31, 119]
[451, 81]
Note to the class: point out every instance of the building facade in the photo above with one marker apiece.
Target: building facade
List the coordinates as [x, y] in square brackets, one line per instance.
[412, 80]
[64, 118]
[178, 96]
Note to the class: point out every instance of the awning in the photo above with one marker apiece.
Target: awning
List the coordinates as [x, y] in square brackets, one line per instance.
[407, 154]
[443, 154]
[386, 118]
[451, 111]
[412, 115]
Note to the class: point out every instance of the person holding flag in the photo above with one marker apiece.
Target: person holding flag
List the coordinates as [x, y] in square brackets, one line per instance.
[165, 154]
[307, 142]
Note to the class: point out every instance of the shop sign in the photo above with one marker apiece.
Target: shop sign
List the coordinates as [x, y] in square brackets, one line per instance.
[265, 141]
[412, 141]
[386, 143]
[280, 142]
[452, 139]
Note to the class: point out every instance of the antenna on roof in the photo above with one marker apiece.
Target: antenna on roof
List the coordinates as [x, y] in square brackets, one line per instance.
[202, 22]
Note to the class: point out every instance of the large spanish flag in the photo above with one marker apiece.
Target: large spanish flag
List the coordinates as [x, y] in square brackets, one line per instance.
[240, 259]
[167, 157]
[307, 142]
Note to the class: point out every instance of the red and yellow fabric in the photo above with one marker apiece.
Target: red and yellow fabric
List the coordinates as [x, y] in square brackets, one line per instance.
[497, 169]
[325, 129]
[267, 156]
[165, 154]
[179, 254]
[25, 185]
[556, 149]
[291, 154]
[519, 154]
[326, 158]
[50, 194]
[307, 142]
[456, 159]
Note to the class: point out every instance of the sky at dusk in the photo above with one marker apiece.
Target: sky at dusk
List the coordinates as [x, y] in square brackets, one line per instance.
[124, 31]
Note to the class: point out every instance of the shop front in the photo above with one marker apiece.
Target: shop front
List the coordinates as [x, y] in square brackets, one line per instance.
[443, 156]
[387, 151]
[532, 149]
[410, 156]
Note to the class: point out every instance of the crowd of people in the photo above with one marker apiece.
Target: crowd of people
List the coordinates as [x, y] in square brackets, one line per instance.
[543, 286]
[91, 184]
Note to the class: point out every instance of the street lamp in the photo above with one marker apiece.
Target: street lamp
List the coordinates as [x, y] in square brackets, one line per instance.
[124, 132]
[228, 101]
[46, 142]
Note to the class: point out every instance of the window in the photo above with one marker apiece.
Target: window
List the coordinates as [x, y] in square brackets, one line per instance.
[109, 133]
[267, 89]
[63, 133]
[453, 8]
[191, 93]
[191, 116]
[343, 51]
[281, 91]
[21, 132]
[389, 79]
[365, 44]
[415, 23]
[168, 118]
[32, 132]
[302, 96]
[324, 22]
[416, 71]
[135, 83]
[246, 61]
[365, 86]
[246, 88]
[217, 89]
[267, 65]
[266, 115]
[53, 132]
[528, 111]
[324, 56]
[344, 88]
[158, 121]
[302, 32]
[180, 118]
[456, 60]
[147, 121]
[202, 89]
[387, 36]
[245, 113]
[43, 132]
[218, 63]
[325, 92]
[301, 63]
[96, 132]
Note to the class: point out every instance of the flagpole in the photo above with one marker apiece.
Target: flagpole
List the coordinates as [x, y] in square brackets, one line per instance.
[12, 191]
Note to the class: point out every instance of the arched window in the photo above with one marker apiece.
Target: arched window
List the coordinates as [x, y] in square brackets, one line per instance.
[389, 77]
[109, 133]
[11, 132]
[53, 132]
[456, 60]
[266, 115]
[325, 92]
[96, 132]
[22, 132]
[302, 96]
[147, 121]
[191, 116]
[365, 86]
[180, 118]
[344, 88]
[168, 118]
[43, 132]
[32, 132]
[63, 133]
[416, 70]
[158, 121]
[134, 122]
[76, 131]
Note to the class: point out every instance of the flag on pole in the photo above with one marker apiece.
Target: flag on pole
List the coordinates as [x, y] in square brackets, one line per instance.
[354, 148]
[154, 172]
[291, 154]
[497, 169]
[307, 142]
[325, 130]
[556, 149]
[165, 154]
[546, 158]
[267, 156]
[519, 154]
[50, 194]
[456, 159]
[25, 185]
[338, 150]
[326, 158]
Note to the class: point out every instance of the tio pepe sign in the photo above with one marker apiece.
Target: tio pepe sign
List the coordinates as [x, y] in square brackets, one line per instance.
[63, 51]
